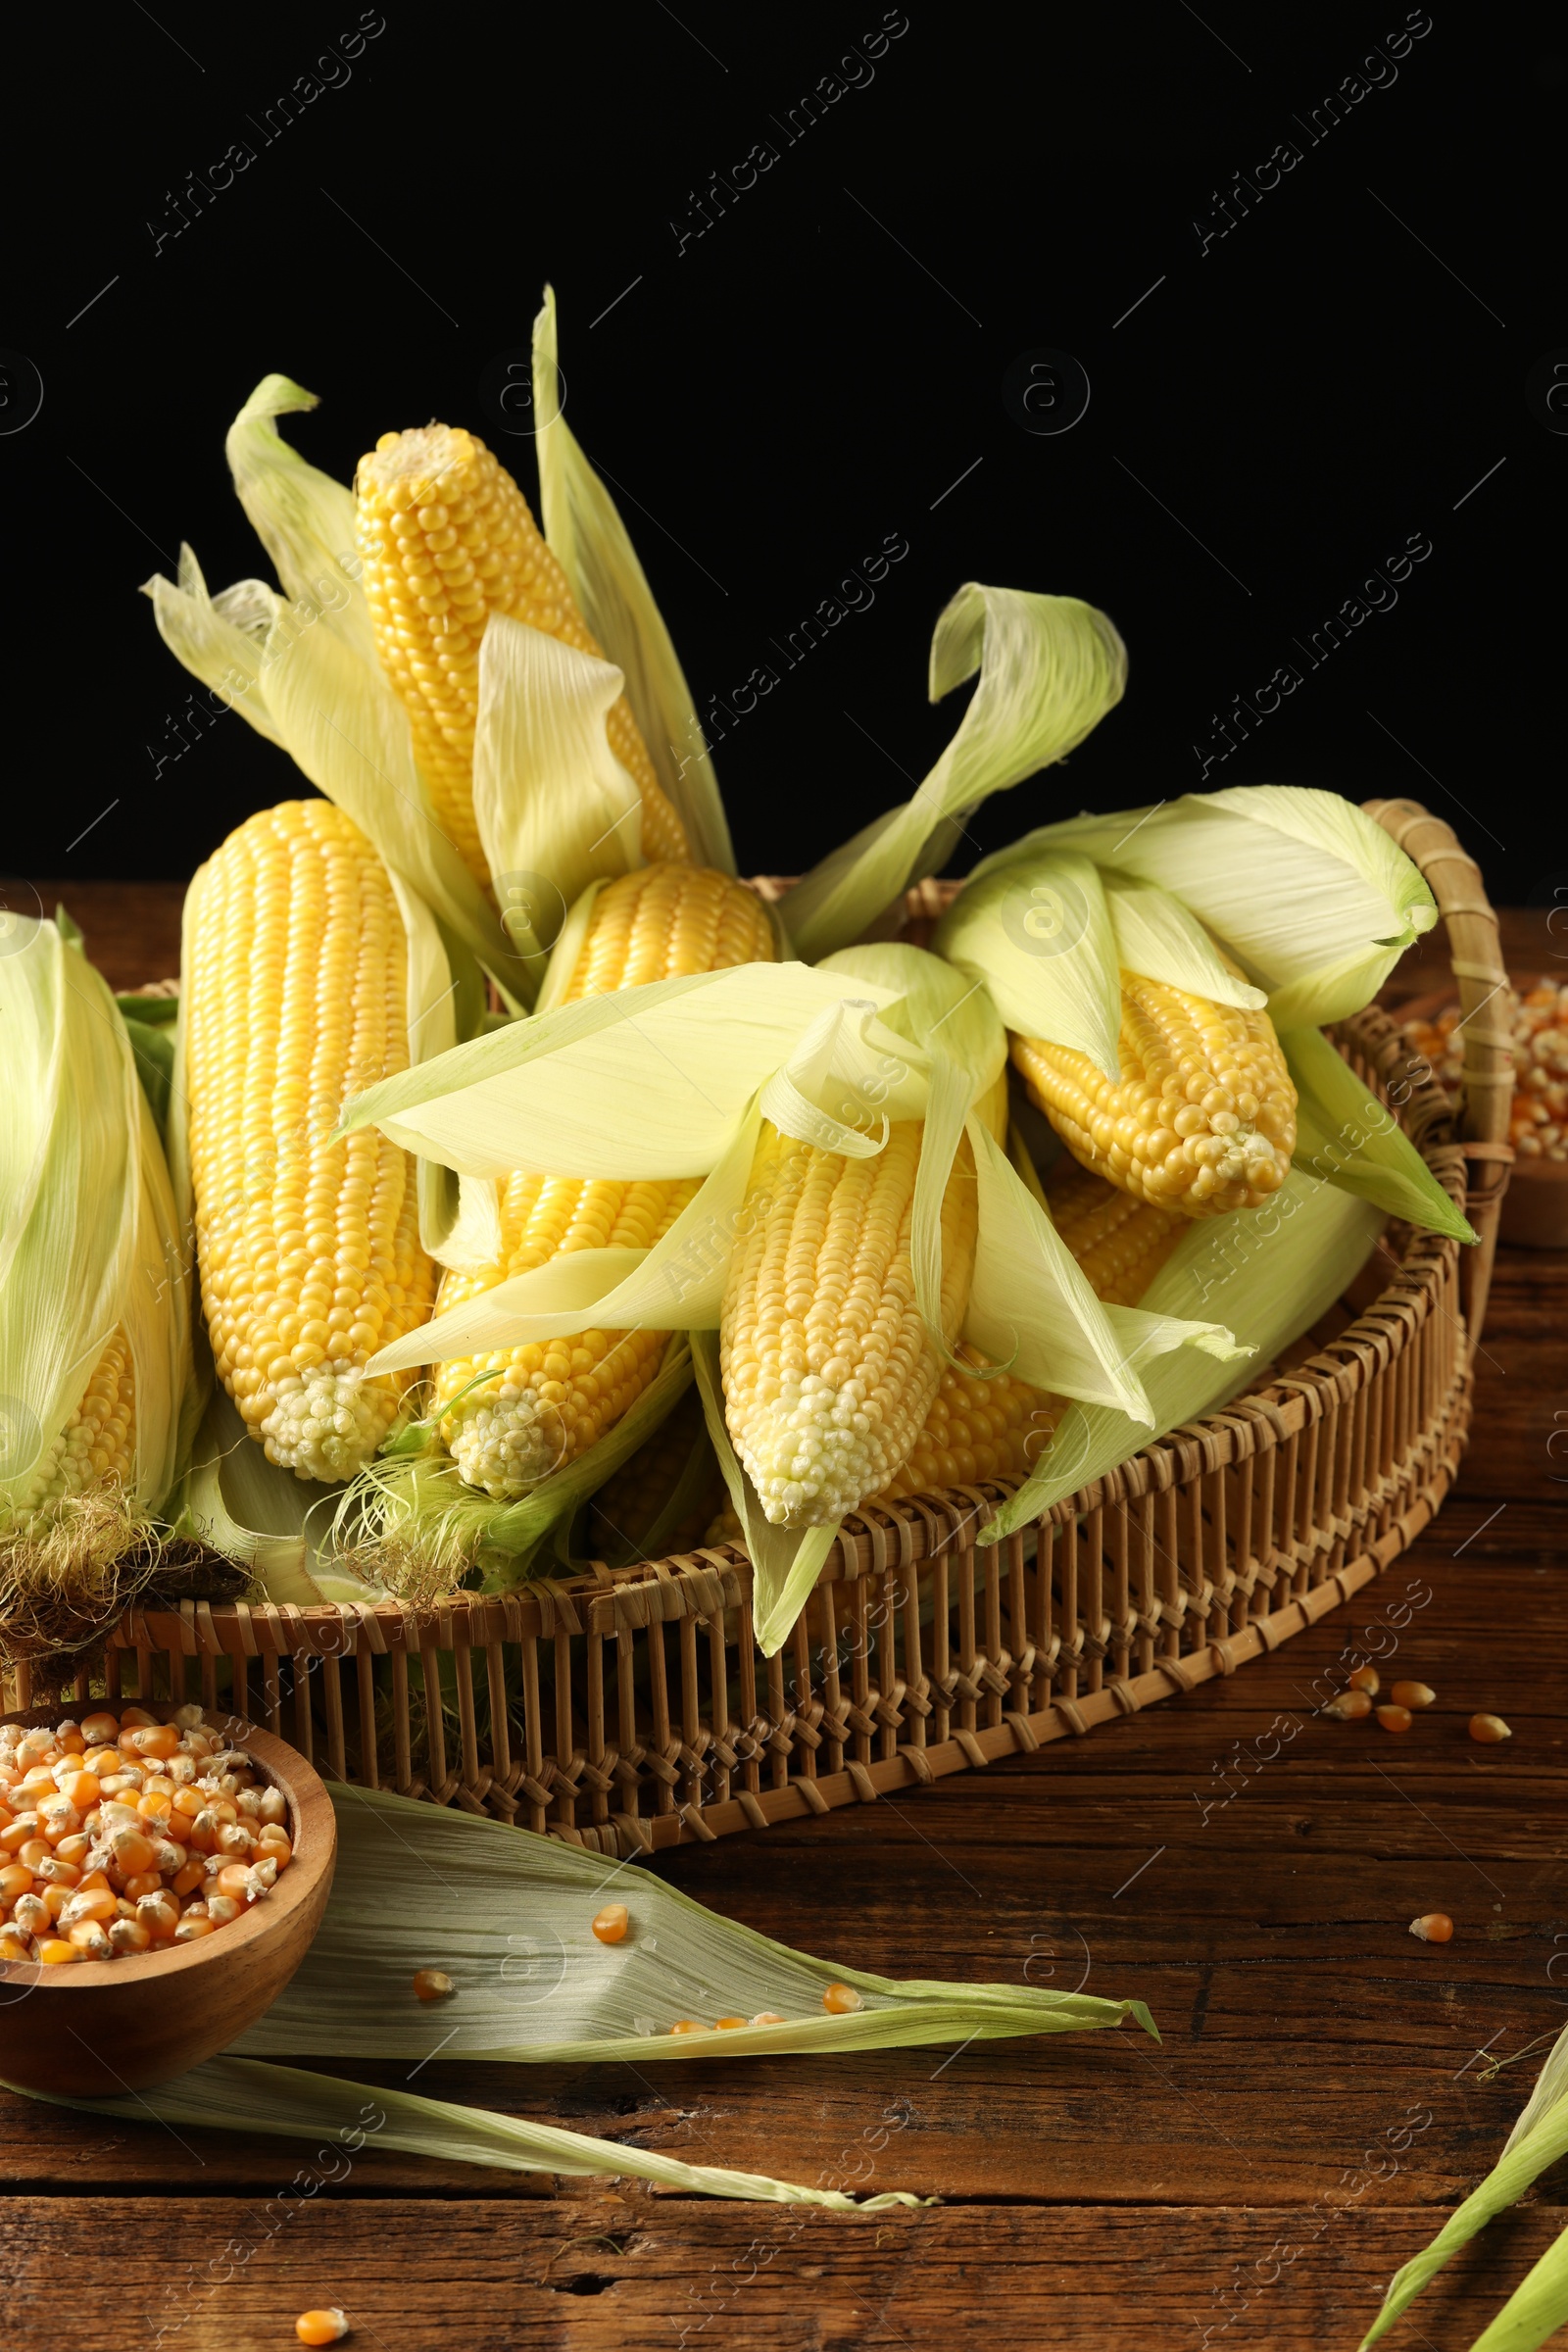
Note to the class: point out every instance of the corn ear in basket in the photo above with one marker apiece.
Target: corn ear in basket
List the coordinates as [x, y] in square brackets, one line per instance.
[94, 1328]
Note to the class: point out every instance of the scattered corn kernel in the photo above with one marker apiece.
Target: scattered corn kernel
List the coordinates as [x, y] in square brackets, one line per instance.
[1412, 1695]
[726, 2024]
[321, 2326]
[1489, 1727]
[840, 1999]
[1368, 1679]
[611, 1924]
[1395, 1719]
[1348, 1706]
[688, 2025]
[55, 1952]
[1432, 1927]
[769, 2017]
[429, 1984]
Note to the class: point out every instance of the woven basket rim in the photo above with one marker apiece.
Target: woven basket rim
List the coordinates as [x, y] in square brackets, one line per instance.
[882, 1535]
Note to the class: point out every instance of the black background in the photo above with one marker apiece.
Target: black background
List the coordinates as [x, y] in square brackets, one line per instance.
[822, 367]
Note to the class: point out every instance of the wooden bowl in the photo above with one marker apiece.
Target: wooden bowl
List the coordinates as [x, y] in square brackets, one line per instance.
[1535, 1207]
[104, 2026]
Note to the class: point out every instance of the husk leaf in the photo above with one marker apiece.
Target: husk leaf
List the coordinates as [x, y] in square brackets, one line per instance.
[1050, 668]
[534, 1984]
[1345, 1134]
[1540, 2305]
[590, 542]
[241, 2095]
[410, 1522]
[1308, 893]
[1269, 1273]
[786, 1561]
[1038, 936]
[674, 1063]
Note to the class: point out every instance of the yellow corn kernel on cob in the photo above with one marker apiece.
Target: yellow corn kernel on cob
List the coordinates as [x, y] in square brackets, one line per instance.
[309, 1250]
[97, 1447]
[548, 1403]
[1118, 1240]
[828, 1369]
[446, 538]
[632, 1498]
[977, 1428]
[1203, 1116]
[666, 920]
[530, 1410]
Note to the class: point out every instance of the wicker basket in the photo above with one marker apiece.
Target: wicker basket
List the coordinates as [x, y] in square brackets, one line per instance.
[632, 1712]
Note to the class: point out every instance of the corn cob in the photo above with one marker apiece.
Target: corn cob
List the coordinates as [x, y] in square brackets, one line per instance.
[511, 1417]
[987, 1425]
[309, 1250]
[97, 1446]
[535, 1408]
[1118, 1241]
[666, 920]
[446, 539]
[977, 1427]
[828, 1369]
[1203, 1116]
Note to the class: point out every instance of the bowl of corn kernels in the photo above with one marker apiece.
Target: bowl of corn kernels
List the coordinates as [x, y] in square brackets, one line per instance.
[139, 1846]
[1534, 1014]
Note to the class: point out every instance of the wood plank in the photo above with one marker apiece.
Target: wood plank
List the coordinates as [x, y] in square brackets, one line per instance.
[639, 2275]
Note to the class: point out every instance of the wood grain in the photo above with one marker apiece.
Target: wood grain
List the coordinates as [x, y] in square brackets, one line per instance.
[639, 2275]
[1099, 2188]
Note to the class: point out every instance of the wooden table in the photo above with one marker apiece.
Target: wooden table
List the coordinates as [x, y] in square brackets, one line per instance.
[1315, 2107]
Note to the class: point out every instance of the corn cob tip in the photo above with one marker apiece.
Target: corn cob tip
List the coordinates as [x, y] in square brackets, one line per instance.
[506, 1439]
[325, 1424]
[819, 1448]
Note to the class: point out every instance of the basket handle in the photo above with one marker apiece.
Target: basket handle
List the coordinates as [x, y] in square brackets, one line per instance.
[1485, 1086]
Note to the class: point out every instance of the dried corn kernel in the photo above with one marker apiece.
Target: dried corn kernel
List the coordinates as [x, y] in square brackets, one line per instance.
[840, 1999]
[769, 2017]
[726, 2024]
[1368, 1679]
[1348, 1707]
[1432, 1927]
[434, 1985]
[1412, 1695]
[1395, 1719]
[55, 1952]
[87, 1866]
[610, 1924]
[321, 2326]
[688, 2025]
[1489, 1728]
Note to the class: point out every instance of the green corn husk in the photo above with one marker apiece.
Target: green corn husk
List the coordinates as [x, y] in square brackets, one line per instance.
[1307, 893]
[1050, 668]
[240, 2094]
[410, 1523]
[1266, 1274]
[1345, 1134]
[89, 1244]
[588, 539]
[1539, 2305]
[533, 1983]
